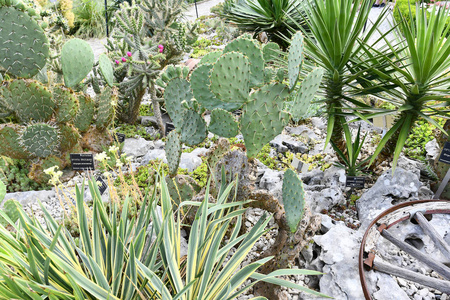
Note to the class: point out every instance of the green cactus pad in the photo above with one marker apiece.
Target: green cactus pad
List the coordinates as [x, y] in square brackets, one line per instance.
[210, 58]
[11, 210]
[271, 52]
[254, 56]
[216, 153]
[66, 103]
[193, 129]
[107, 101]
[268, 75]
[170, 73]
[173, 151]
[200, 88]
[69, 136]
[295, 59]
[30, 100]
[37, 168]
[85, 114]
[262, 118]
[177, 91]
[77, 60]
[303, 97]
[40, 139]
[24, 47]
[230, 78]
[106, 69]
[293, 199]
[181, 188]
[10, 146]
[223, 123]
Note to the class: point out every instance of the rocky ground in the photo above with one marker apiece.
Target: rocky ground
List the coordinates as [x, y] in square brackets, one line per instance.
[335, 248]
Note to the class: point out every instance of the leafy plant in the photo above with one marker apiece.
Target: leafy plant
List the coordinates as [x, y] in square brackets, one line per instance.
[352, 166]
[90, 19]
[14, 173]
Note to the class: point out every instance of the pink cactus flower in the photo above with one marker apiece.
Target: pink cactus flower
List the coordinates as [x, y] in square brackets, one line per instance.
[161, 48]
[124, 59]
[117, 62]
[129, 54]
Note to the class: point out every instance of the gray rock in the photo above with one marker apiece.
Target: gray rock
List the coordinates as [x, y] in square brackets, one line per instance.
[324, 199]
[302, 130]
[432, 149]
[26, 198]
[386, 192]
[151, 120]
[313, 177]
[410, 165]
[283, 143]
[190, 161]
[339, 253]
[334, 177]
[159, 144]
[152, 155]
[272, 181]
[137, 147]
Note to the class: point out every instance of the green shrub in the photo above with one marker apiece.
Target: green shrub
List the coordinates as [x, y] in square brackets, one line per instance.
[90, 19]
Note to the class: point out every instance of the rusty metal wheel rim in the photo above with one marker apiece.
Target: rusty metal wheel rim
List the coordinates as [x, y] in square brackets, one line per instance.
[363, 254]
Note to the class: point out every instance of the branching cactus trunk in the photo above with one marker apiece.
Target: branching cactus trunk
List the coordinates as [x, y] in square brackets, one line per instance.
[157, 109]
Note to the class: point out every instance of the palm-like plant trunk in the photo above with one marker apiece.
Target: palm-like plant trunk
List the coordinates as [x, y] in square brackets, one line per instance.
[334, 90]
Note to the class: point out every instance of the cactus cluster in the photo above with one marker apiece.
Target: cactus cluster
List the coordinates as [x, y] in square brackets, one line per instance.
[240, 77]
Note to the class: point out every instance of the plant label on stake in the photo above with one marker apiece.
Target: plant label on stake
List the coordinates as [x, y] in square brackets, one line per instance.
[444, 158]
[355, 182]
[102, 186]
[169, 128]
[299, 165]
[119, 137]
[82, 161]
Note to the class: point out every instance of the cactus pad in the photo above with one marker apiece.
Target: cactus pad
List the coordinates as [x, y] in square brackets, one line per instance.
[40, 139]
[271, 52]
[37, 168]
[262, 118]
[85, 114]
[107, 101]
[24, 46]
[295, 59]
[173, 151]
[254, 55]
[66, 102]
[223, 123]
[200, 88]
[210, 58]
[77, 60]
[11, 210]
[177, 91]
[305, 94]
[10, 146]
[293, 199]
[193, 129]
[106, 69]
[230, 78]
[69, 136]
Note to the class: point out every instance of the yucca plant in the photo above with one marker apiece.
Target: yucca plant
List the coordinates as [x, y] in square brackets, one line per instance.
[275, 17]
[352, 166]
[118, 258]
[421, 79]
[335, 41]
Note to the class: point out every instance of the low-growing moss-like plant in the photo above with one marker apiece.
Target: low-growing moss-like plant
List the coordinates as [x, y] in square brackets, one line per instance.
[421, 134]
[14, 173]
[131, 131]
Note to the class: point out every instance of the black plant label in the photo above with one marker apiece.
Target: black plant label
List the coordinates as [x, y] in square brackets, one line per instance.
[82, 161]
[355, 182]
[102, 186]
[445, 154]
[119, 137]
[169, 127]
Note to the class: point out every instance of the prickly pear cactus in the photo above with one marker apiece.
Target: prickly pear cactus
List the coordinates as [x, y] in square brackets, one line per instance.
[173, 151]
[302, 99]
[210, 58]
[66, 102]
[69, 136]
[24, 46]
[230, 79]
[172, 72]
[85, 114]
[262, 118]
[271, 52]
[37, 168]
[223, 123]
[293, 199]
[248, 48]
[200, 88]
[177, 91]
[107, 101]
[295, 59]
[10, 209]
[77, 60]
[193, 129]
[106, 69]
[30, 100]
[40, 139]
[10, 146]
